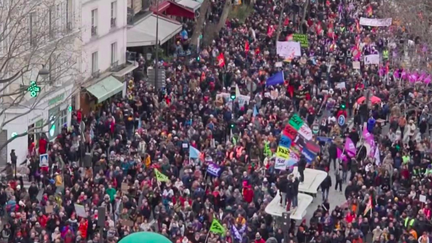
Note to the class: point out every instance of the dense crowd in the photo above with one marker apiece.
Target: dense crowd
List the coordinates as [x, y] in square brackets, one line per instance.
[145, 158]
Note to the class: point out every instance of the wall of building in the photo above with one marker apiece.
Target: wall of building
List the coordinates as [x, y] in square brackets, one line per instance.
[59, 99]
[106, 34]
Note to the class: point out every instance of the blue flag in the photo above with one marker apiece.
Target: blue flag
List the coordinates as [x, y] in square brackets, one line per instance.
[255, 111]
[236, 233]
[277, 78]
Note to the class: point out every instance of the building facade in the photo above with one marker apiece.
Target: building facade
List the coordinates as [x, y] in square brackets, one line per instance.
[104, 62]
[38, 71]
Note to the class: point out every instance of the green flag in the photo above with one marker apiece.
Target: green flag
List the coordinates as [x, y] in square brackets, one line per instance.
[217, 228]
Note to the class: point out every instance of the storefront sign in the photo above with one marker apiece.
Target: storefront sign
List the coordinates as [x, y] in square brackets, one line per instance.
[56, 99]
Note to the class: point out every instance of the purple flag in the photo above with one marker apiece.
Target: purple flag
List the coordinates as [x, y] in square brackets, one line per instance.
[427, 80]
[350, 147]
[421, 77]
[396, 73]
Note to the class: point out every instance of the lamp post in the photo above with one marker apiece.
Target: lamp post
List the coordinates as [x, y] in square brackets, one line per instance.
[157, 42]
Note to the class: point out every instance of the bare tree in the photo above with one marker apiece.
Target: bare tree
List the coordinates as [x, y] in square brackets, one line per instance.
[34, 35]
[410, 35]
[199, 25]
[225, 12]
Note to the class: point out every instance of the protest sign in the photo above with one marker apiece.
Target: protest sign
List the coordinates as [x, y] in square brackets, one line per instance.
[288, 49]
[80, 210]
[290, 132]
[280, 163]
[49, 209]
[214, 169]
[296, 122]
[356, 65]
[309, 156]
[305, 132]
[282, 152]
[372, 59]
[376, 22]
[285, 141]
[124, 187]
[304, 42]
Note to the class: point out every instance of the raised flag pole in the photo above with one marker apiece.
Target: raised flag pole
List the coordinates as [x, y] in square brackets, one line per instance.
[206, 239]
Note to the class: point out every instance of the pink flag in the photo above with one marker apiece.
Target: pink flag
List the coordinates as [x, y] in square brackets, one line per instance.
[381, 71]
[367, 136]
[404, 75]
[421, 77]
[350, 147]
[340, 155]
[396, 73]
[427, 80]
[412, 77]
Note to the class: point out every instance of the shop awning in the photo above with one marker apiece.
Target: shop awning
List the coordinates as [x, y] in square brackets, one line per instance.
[143, 33]
[105, 88]
[173, 9]
[190, 4]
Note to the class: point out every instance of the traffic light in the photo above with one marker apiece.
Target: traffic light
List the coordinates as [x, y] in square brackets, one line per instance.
[233, 93]
[232, 125]
[343, 105]
[198, 58]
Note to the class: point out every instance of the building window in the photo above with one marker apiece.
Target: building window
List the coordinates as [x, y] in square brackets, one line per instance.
[2, 34]
[50, 22]
[32, 28]
[95, 64]
[69, 13]
[113, 14]
[114, 53]
[94, 22]
[63, 119]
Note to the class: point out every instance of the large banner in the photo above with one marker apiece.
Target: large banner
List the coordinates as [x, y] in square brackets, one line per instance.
[288, 49]
[372, 59]
[376, 22]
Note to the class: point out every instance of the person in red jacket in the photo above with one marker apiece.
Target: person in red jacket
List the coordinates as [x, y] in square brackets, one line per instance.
[83, 228]
[258, 238]
[42, 145]
[248, 194]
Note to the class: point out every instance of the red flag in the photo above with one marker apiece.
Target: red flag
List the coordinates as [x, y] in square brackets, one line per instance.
[247, 46]
[289, 37]
[270, 31]
[369, 10]
[221, 60]
[286, 22]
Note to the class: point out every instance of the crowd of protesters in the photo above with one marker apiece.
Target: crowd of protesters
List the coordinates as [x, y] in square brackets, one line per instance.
[108, 158]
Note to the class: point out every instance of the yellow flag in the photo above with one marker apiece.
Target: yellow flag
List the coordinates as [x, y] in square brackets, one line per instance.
[160, 177]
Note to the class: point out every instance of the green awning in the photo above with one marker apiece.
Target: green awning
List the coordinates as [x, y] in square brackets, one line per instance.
[105, 88]
[145, 237]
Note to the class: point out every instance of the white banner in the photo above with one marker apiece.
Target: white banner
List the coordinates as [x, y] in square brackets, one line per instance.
[288, 49]
[305, 132]
[372, 59]
[280, 163]
[376, 22]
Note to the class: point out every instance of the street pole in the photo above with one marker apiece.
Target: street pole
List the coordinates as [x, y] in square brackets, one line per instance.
[286, 225]
[157, 42]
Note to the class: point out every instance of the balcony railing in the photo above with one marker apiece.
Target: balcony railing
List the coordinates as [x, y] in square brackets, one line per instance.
[68, 27]
[96, 74]
[93, 31]
[113, 22]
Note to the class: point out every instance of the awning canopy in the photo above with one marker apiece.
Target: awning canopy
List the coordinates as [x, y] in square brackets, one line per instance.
[143, 33]
[190, 4]
[105, 88]
[173, 9]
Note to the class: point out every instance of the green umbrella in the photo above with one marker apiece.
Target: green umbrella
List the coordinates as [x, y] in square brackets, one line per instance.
[145, 237]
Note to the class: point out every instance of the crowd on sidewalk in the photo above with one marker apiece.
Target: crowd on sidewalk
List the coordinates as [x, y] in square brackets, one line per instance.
[177, 160]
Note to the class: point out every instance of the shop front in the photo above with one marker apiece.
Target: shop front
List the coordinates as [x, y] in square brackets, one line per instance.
[49, 116]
